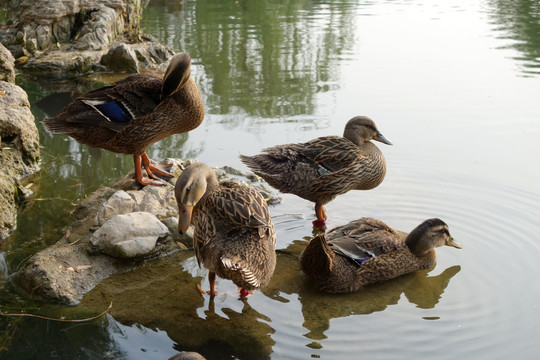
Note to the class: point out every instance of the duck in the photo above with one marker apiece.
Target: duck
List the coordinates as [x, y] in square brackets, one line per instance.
[131, 114]
[233, 234]
[367, 251]
[325, 167]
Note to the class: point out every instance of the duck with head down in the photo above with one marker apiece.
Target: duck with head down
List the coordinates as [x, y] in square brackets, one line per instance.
[234, 236]
[128, 116]
[325, 167]
[367, 251]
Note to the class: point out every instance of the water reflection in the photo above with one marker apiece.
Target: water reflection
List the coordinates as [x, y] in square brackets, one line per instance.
[519, 20]
[163, 296]
[318, 308]
[248, 69]
[279, 74]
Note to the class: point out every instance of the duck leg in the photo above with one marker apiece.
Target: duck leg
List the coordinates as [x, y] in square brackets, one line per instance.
[138, 173]
[320, 223]
[155, 168]
[212, 280]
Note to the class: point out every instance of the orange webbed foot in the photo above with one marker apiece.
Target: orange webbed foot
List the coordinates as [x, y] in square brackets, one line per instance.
[152, 169]
[211, 292]
[145, 181]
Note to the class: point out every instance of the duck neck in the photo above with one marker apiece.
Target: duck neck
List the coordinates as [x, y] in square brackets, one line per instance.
[211, 185]
[424, 252]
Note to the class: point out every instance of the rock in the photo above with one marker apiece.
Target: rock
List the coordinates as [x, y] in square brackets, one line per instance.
[7, 65]
[104, 25]
[119, 203]
[65, 271]
[184, 241]
[128, 236]
[19, 151]
[160, 201]
[121, 57]
[66, 39]
[135, 57]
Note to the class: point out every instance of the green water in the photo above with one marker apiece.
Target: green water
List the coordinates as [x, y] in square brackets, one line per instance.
[454, 85]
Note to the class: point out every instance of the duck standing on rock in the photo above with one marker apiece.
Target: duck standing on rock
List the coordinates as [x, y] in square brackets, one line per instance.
[234, 236]
[323, 168]
[133, 113]
[367, 251]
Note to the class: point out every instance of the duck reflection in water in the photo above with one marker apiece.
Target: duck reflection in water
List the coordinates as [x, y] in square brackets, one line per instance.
[318, 308]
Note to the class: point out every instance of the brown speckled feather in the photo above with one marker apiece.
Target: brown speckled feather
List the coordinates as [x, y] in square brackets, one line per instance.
[153, 114]
[234, 235]
[322, 168]
[365, 236]
[363, 252]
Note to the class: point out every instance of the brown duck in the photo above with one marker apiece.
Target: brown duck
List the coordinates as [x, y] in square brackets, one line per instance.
[325, 167]
[367, 251]
[233, 233]
[128, 116]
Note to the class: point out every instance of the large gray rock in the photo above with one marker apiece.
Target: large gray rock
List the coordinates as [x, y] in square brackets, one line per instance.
[19, 151]
[7, 65]
[128, 236]
[65, 39]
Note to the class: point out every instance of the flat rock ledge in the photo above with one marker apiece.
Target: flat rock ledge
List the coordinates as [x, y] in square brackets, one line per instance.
[115, 229]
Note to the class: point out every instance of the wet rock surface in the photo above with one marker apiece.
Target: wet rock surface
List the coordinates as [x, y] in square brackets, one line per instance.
[139, 225]
[19, 152]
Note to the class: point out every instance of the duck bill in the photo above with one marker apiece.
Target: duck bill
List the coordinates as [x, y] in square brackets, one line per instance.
[184, 218]
[454, 243]
[380, 137]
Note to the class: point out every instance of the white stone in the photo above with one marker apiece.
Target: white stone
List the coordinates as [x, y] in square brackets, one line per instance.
[119, 203]
[128, 235]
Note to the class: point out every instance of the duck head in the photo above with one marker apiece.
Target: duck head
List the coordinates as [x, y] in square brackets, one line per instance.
[192, 185]
[361, 129]
[177, 74]
[428, 235]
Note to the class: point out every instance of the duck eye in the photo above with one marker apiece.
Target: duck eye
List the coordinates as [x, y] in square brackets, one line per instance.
[444, 231]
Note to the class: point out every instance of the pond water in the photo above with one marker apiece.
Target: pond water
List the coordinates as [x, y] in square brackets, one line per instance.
[454, 85]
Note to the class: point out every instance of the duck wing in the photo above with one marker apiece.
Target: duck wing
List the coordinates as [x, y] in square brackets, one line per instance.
[330, 153]
[341, 166]
[112, 107]
[364, 238]
[234, 205]
[231, 209]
